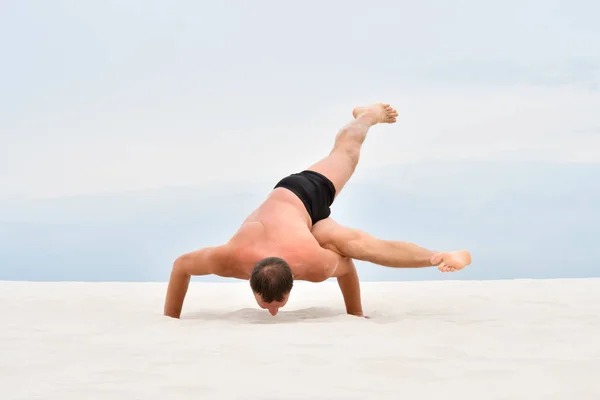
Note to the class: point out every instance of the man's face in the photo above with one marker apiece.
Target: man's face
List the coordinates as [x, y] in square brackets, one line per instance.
[274, 306]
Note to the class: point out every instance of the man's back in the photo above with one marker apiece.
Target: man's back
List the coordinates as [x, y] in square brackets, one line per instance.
[279, 227]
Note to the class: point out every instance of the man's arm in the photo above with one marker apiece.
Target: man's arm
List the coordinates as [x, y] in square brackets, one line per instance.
[347, 278]
[200, 262]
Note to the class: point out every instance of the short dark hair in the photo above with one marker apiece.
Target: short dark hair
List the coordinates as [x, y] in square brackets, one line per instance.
[272, 279]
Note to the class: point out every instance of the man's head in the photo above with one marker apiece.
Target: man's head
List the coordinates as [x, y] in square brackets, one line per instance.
[271, 281]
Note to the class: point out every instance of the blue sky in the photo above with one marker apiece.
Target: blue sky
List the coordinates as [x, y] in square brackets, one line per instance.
[107, 101]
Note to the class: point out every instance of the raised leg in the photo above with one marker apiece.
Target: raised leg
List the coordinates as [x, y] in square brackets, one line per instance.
[341, 162]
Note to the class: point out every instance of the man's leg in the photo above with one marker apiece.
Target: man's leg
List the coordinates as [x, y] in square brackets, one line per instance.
[341, 162]
[359, 245]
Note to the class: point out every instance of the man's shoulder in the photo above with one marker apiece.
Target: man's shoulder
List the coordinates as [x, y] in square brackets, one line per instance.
[321, 265]
[329, 261]
[238, 257]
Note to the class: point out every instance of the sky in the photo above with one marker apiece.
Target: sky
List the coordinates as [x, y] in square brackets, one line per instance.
[110, 107]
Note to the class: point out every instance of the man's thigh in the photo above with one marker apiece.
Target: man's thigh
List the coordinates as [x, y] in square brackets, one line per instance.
[332, 236]
[338, 167]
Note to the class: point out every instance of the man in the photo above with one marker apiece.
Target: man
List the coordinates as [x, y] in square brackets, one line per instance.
[291, 237]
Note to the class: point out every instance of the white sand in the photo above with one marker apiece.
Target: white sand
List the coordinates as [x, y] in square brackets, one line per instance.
[426, 340]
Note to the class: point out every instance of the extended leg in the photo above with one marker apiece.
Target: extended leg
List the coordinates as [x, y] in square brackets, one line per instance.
[341, 162]
[360, 245]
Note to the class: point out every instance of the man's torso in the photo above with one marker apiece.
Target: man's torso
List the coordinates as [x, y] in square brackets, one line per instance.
[279, 227]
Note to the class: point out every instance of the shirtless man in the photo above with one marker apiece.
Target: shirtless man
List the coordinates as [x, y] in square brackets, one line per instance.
[291, 237]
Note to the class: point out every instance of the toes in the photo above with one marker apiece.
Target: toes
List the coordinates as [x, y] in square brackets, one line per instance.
[443, 267]
[389, 111]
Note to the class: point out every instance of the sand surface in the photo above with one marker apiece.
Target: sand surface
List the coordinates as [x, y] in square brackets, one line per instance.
[425, 340]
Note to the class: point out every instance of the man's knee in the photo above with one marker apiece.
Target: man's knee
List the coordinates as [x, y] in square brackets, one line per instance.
[350, 153]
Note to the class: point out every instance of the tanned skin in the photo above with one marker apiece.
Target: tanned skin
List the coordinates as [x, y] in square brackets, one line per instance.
[281, 227]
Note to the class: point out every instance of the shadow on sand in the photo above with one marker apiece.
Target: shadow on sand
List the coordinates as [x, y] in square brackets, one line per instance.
[310, 315]
[255, 316]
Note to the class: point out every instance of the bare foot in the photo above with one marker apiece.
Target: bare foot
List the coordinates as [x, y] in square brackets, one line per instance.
[451, 261]
[380, 113]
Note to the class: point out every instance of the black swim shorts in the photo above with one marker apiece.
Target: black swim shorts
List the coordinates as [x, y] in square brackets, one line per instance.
[314, 189]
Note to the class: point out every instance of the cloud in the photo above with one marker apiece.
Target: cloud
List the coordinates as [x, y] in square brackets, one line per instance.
[163, 145]
[115, 97]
